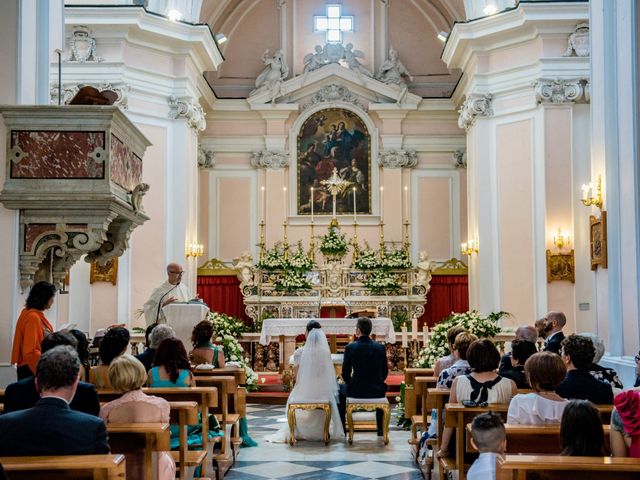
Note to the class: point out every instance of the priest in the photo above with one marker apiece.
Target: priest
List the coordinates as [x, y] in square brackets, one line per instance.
[169, 292]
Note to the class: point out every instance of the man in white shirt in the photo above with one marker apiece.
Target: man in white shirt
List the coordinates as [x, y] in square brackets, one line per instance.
[489, 438]
[169, 292]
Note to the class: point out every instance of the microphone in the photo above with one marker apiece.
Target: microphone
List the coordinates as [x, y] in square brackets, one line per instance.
[162, 298]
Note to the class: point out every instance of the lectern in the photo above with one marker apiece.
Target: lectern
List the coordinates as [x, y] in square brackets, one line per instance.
[182, 317]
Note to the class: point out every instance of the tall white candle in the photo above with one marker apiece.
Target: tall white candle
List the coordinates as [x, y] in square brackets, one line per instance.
[264, 204]
[381, 204]
[355, 214]
[312, 202]
[425, 334]
[414, 328]
[284, 198]
[334, 206]
[405, 343]
[406, 202]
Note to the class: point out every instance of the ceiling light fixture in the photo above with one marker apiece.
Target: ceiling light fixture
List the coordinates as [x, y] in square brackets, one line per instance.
[220, 38]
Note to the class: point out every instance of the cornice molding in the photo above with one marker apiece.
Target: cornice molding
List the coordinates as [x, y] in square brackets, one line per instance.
[398, 158]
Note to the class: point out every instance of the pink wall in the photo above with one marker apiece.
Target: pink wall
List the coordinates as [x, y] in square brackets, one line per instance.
[234, 223]
[515, 167]
[434, 224]
[104, 302]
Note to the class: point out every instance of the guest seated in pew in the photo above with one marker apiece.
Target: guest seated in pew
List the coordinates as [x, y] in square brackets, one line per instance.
[577, 353]
[203, 350]
[581, 432]
[24, 394]
[545, 371]
[521, 350]
[127, 375]
[489, 438]
[483, 385]
[83, 353]
[460, 365]
[624, 435]
[524, 332]
[114, 344]
[446, 362]
[51, 427]
[154, 335]
[171, 367]
[607, 375]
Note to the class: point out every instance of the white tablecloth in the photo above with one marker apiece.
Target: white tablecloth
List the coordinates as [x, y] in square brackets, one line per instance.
[272, 328]
[182, 317]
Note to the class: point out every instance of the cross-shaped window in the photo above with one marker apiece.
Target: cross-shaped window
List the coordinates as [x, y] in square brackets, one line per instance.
[334, 23]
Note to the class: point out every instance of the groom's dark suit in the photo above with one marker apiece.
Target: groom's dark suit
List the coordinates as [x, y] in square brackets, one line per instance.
[364, 370]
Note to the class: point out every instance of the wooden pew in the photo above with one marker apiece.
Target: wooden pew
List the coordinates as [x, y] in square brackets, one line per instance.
[95, 467]
[135, 438]
[434, 398]
[552, 467]
[420, 417]
[411, 396]
[239, 373]
[185, 414]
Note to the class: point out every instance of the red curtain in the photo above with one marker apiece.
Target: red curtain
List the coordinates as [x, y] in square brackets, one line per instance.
[449, 293]
[223, 295]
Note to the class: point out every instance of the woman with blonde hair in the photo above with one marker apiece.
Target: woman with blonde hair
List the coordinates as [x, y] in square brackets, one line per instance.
[128, 375]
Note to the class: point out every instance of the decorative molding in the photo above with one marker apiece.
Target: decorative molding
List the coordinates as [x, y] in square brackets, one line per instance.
[398, 158]
[557, 91]
[336, 53]
[475, 105]
[71, 90]
[206, 158]
[333, 93]
[269, 159]
[587, 91]
[460, 158]
[190, 109]
[578, 43]
[82, 46]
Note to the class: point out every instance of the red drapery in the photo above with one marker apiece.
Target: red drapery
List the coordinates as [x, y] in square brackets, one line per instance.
[449, 293]
[223, 295]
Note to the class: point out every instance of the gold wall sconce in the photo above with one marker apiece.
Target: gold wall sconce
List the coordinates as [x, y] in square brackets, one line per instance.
[470, 247]
[561, 239]
[194, 250]
[587, 194]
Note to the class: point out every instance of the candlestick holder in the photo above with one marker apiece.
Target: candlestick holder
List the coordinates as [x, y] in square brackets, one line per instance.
[262, 244]
[312, 245]
[354, 242]
[382, 254]
[285, 243]
[411, 353]
[407, 243]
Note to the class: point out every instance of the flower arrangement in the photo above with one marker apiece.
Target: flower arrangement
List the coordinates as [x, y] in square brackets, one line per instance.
[472, 321]
[291, 281]
[333, 243]
[300, 260]
[382, 282]
[273, 259]
[396, 259]
[226, 331]
[368, 259]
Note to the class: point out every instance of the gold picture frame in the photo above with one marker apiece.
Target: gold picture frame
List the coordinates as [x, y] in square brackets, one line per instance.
[104, 273]
[561, 266]
[598, 240]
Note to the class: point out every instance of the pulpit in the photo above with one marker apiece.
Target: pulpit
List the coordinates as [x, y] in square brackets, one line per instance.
[182, 317]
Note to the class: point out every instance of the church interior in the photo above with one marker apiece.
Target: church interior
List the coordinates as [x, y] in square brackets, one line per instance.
[423, 164]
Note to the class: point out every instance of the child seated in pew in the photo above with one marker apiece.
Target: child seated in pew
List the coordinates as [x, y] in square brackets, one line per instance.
[489, 438]
[521, 350]
[128, 375]
[447, 361]
[545, 371]
[581, 432]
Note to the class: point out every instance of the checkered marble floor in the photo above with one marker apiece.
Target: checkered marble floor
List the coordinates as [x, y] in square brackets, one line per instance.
[368, 457]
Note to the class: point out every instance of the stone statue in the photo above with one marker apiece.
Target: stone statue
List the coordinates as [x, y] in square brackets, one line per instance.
[313, 61]
[424, 267]
[137, 193]
[244, 266]
[392, 70]
[351, 59]
[273, 75]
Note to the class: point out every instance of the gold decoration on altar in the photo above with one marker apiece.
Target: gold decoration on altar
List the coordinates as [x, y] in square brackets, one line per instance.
[216, 268]
[451, 267]
[104, 273]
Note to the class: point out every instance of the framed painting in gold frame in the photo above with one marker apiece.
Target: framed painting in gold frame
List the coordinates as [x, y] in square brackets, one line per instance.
[598, 240]
[560, 266]
[104, 273]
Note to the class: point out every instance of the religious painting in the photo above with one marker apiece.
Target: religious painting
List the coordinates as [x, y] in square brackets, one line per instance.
[598, 237]
[560, 266]
[334, 141]
[104, 273]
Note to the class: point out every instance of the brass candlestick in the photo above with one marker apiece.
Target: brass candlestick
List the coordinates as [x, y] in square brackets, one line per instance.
[381, 239]
[285, 244]
[354, 242]
[312, 245]
[262, 244]
[407, 243]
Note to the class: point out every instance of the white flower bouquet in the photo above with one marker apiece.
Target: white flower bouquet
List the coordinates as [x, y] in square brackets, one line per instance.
[396, 259]
[368, 259]
[292, 281]
[333, 243]
[382, 282]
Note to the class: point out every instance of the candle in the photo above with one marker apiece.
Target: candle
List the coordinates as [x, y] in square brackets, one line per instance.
[425, 334]
[264, 204]
[406, 202]
[403, 329]
[284, 198]
[585, 191]
[334, 206]
[312, 204]
[381, 204]
[355, 214]
[414, 328]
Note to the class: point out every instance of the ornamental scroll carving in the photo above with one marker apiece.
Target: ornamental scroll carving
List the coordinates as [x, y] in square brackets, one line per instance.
[558, 91]
[460, 158]
[398, 158]
[71, 90]
[82, 46]
[206, 158]
[333, 93]
[476, 105]
[269, 159]
[188, 108]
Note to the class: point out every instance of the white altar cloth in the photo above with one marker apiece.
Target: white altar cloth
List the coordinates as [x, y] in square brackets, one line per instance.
[274, 327]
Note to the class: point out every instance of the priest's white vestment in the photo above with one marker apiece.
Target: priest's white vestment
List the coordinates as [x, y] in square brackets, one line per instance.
[152, 311]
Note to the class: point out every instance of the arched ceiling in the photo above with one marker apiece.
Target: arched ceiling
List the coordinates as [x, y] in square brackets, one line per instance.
[253, 26]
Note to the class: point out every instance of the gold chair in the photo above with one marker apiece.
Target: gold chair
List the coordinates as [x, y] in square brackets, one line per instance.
[369, 405]
[291, 417]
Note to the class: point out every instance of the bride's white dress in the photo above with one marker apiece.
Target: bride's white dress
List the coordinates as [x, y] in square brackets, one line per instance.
[315, 382]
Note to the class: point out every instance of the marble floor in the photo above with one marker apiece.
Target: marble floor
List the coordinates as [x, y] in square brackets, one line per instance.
[368, 457]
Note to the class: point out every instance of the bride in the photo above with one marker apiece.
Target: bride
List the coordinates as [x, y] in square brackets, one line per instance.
[315, 382]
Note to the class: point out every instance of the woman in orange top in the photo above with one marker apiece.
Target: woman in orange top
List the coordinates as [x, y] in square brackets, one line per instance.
[31, 328]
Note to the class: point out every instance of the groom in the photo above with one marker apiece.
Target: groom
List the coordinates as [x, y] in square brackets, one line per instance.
[364, 370]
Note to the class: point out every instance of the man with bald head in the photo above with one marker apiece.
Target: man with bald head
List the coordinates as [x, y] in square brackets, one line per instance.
[553, 325]
[170, 291]
[525, 332]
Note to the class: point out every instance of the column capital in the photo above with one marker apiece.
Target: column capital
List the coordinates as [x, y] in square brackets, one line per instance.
[398, 158]
[188, 108]
[558, 91]
[269, 159]
[475, 105]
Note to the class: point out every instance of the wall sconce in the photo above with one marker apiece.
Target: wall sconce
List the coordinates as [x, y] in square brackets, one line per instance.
[470, 247]
[194, 250]
[561, 239]
[587, 194]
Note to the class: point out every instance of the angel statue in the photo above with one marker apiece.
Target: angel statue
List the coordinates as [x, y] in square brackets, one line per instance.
[424, 267]
[392, 72]
[244, 266]
[351, 59]
[274, 73]
[313, 61]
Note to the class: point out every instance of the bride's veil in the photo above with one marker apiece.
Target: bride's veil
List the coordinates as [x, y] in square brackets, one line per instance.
[316, 379]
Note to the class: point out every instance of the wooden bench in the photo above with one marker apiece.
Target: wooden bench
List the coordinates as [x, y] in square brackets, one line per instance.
[139, 438]
[411, 394]
[433, 398]
[95, 467]
[185, 414]
[552, 467]
[421, 416]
